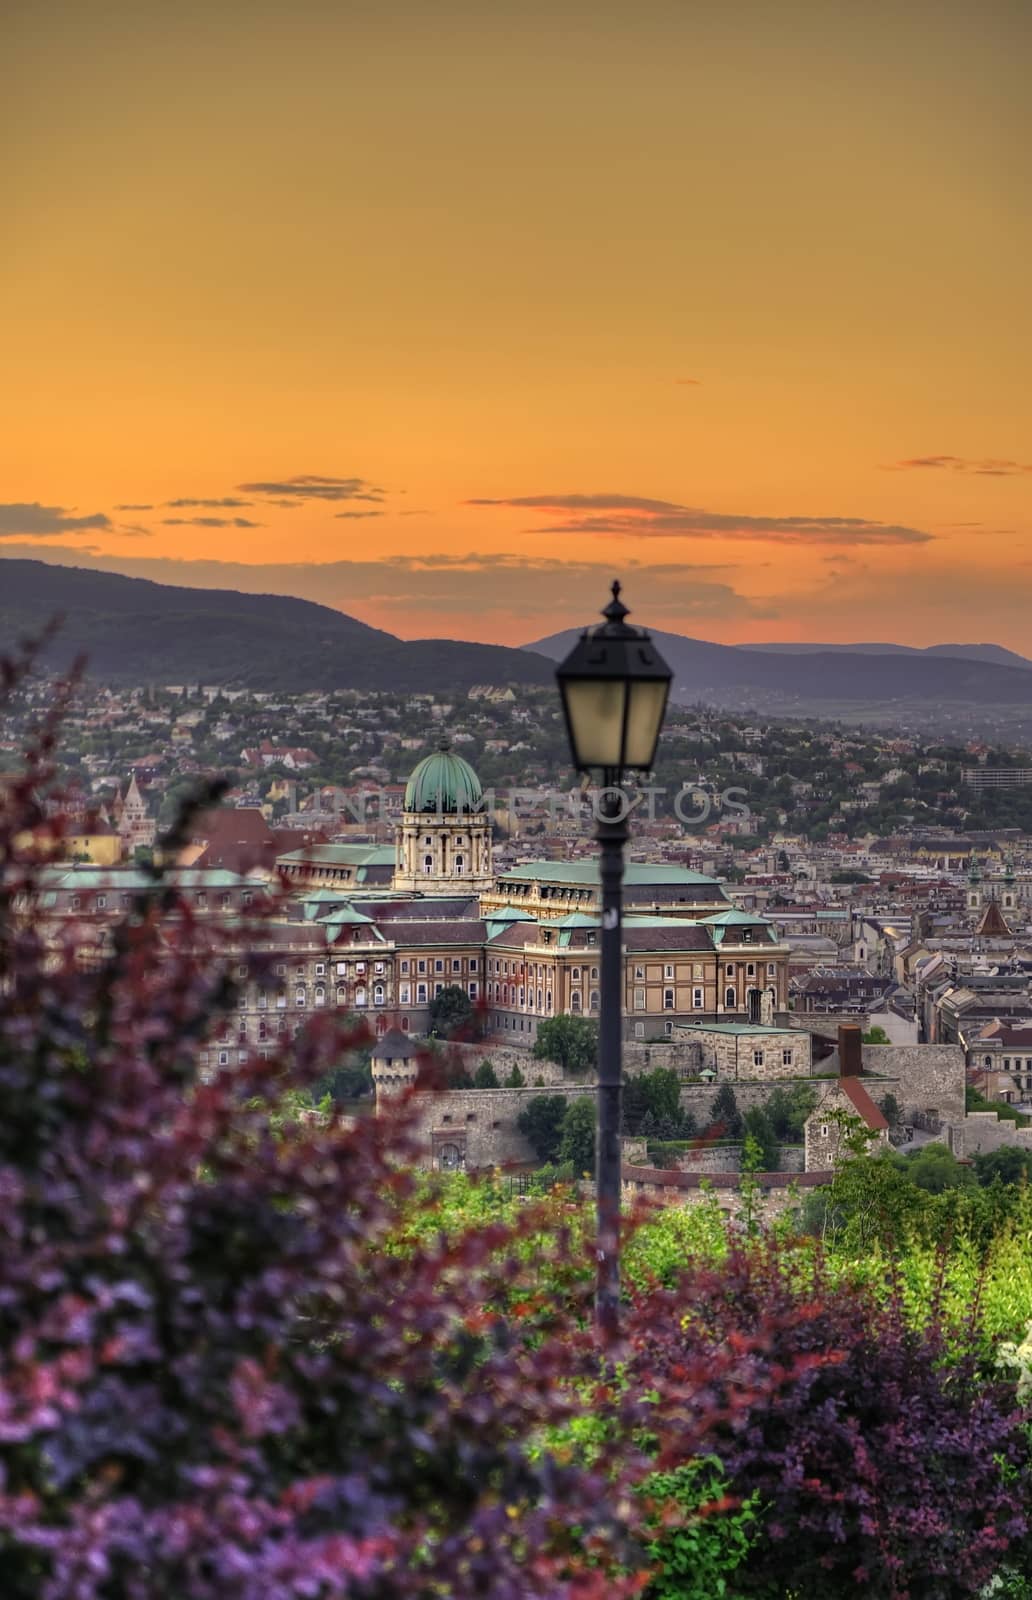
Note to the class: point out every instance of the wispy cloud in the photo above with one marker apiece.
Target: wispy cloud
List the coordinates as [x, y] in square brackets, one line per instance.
[480, 595]
[31, 518]
[134, 508]
[228, 501]
[637, 517]
[210, 522]
[355, 515]
[313, 486]
[986, 467]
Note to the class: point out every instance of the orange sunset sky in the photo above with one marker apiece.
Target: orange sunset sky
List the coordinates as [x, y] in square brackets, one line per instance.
[446, 313]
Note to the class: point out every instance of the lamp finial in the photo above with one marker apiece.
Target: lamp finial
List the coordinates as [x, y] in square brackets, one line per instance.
[615, 611]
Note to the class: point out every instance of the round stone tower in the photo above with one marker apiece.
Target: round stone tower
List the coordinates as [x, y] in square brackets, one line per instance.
[444, 841]
[394, 1064]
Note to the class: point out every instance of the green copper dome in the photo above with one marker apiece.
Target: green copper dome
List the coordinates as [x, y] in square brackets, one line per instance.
[444, 783]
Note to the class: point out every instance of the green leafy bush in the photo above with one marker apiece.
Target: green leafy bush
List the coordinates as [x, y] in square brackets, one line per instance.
[697, 1556]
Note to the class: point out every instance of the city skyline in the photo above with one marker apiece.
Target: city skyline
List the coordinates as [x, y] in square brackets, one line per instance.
[443, 318]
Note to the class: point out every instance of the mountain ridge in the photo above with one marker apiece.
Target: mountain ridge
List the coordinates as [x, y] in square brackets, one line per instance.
[133, 629]
[994, 654]
[740, 677]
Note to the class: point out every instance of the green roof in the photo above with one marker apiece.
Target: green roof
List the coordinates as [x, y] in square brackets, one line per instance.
[737, 919]
[586, 873]
[444, 783]
[342, 916]
[344, 855]
[131, 878]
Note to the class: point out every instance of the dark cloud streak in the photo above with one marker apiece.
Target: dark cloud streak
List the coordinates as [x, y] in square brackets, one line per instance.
[210, 522]
[313, 486]
[30, 518]
[637, 517]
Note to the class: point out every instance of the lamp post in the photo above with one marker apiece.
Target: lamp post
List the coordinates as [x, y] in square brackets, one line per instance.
[614, 686]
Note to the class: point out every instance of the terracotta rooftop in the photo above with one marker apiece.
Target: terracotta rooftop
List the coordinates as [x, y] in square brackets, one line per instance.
[862, 1103]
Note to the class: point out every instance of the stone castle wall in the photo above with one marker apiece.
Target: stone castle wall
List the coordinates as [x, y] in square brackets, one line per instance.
[482, 1122]
[745, 1057]
[930, 1077]
[981, 1132]
[503, 1058]
[828, 1024]
[778, 1191]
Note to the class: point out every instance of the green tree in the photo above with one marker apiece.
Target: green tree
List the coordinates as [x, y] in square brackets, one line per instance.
[515, 1080]
[451, 1011]
[875, 1035]
[541, 1124]
[1009, 1165]
[577, 1144]
[788, 1110]
[758, 1128]
[870, 1200]
[935, 1168]
[570, 1041]
[890, 1109]
[725, 1112]
[485, 1076]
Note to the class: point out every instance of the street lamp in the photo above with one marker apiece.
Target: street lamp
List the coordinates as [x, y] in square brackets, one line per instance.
[614, 686]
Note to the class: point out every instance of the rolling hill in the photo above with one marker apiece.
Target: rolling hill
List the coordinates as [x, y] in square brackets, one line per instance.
[133, 631]
[809, 677]
[995, 654]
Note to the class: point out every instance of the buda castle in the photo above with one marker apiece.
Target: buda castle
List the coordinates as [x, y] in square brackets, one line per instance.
[381, 930]
[398, 925]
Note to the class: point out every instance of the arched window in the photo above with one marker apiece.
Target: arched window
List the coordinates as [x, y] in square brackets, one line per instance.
[729, 999]
[360, 995]
[342, 995]
[378, 994]
[575, 975]
[299, 997]
[593, 1000]
[428, 863]
[320, 995]
[575, 1001]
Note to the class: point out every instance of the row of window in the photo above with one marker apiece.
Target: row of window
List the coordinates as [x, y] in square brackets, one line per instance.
[105, 902]
[344, 969]
[361, 996]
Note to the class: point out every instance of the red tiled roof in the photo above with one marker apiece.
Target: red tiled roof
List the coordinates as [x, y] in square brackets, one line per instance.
[862, 1103]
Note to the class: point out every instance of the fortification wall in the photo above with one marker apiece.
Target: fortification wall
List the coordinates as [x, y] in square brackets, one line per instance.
[931, 1077]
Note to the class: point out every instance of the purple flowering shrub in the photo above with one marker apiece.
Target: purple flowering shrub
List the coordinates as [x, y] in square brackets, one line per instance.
[239, 1360]
[218, 1376]
[878, 1458]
